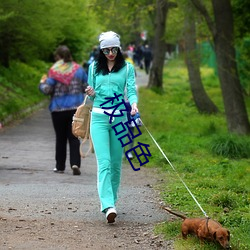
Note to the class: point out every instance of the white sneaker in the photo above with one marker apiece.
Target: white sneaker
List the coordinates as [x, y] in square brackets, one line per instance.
[111, 214]
[58, 171]
[130, 156]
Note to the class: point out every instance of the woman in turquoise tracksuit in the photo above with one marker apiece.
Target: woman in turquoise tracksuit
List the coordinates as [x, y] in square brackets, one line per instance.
[109, 75]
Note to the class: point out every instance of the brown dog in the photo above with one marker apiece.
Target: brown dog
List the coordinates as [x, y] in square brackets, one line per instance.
[204, 229]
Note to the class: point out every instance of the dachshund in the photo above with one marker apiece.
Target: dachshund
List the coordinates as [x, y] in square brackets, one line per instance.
[204, 229]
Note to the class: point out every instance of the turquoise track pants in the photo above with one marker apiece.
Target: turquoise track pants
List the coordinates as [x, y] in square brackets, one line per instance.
[108, 151]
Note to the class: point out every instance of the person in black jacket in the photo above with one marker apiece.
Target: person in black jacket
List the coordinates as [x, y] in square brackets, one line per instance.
[147, 54]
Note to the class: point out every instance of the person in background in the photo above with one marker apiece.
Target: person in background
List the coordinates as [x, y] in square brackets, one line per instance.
[128, 59]
[147, 54]
[109, 75]
[65, 83]
[93, 54]
[92, 57]
[138, 53]
[130, 145]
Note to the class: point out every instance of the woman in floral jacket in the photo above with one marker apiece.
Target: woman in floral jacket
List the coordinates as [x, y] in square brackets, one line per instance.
[65, 84]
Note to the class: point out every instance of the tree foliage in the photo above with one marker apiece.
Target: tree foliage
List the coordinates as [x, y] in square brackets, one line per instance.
[126, 17]
[241, 18]
[33, 29]
[28, 33]
[242, 35]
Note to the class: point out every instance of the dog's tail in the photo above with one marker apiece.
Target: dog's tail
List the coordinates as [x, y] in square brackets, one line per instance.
[175, 213]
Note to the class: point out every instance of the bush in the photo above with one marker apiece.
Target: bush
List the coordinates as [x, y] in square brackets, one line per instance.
[19, 88]
[231, 146]
[223, 200]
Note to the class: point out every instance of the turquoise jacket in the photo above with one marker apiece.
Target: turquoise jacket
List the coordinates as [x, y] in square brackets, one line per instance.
[105, 86]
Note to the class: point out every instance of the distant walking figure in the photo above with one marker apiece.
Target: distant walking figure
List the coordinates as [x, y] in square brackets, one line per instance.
[147, 54]
[65, 84]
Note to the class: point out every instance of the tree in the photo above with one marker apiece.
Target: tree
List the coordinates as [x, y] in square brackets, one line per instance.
[159, 46]
[127, 17]
[28, 33]
[223, 38]
[201, 99]
[242, 33]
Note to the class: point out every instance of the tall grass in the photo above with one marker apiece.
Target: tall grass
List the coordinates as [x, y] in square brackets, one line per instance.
[19, 87]
[214, 164]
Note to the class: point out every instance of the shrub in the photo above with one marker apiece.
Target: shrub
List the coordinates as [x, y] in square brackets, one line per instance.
[223, 200]
[230, 146]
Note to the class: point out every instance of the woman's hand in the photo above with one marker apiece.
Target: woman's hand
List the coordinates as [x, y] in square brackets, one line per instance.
[43, 79]
[90, 91]
[134, 109]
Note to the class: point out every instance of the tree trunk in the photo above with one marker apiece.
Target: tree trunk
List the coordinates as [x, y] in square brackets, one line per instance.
[235, 109]
[223, 38]
[201, 99]
[159, 47]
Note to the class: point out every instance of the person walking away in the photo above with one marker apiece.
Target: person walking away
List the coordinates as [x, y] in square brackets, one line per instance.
[92, 56]
[65, 84]
[109, 75]
[147, 54]
[139, 56]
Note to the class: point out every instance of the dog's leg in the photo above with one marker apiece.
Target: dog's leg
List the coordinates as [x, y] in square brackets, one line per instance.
[184, 235]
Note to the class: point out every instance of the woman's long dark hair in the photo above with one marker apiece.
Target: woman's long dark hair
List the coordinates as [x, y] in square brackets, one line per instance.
[102, 67]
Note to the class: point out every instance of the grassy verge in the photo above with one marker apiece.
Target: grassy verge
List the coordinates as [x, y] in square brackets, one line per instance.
[214, 164]
[19, 88]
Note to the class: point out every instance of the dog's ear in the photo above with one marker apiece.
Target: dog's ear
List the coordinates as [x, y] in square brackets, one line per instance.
[228, 237]
[214, 235]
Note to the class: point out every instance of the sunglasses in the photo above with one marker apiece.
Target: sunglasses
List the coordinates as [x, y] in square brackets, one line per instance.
[106, 51]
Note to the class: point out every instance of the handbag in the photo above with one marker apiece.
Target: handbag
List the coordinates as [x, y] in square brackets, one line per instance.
[81, 126]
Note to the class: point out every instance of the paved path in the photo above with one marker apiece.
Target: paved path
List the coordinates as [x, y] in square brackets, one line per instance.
[141, 78]
[29, 189]
[26, 163]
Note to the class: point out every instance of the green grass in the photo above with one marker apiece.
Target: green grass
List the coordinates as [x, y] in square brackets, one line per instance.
[19, 88]
[214, 164]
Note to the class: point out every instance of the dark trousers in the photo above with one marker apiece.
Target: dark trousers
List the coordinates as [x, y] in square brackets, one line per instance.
[147, 65]
[62, 122]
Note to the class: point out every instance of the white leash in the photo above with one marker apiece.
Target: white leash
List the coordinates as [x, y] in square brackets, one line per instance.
[175, 170]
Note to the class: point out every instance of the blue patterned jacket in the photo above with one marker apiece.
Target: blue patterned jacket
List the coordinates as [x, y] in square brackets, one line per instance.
[65, 97]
